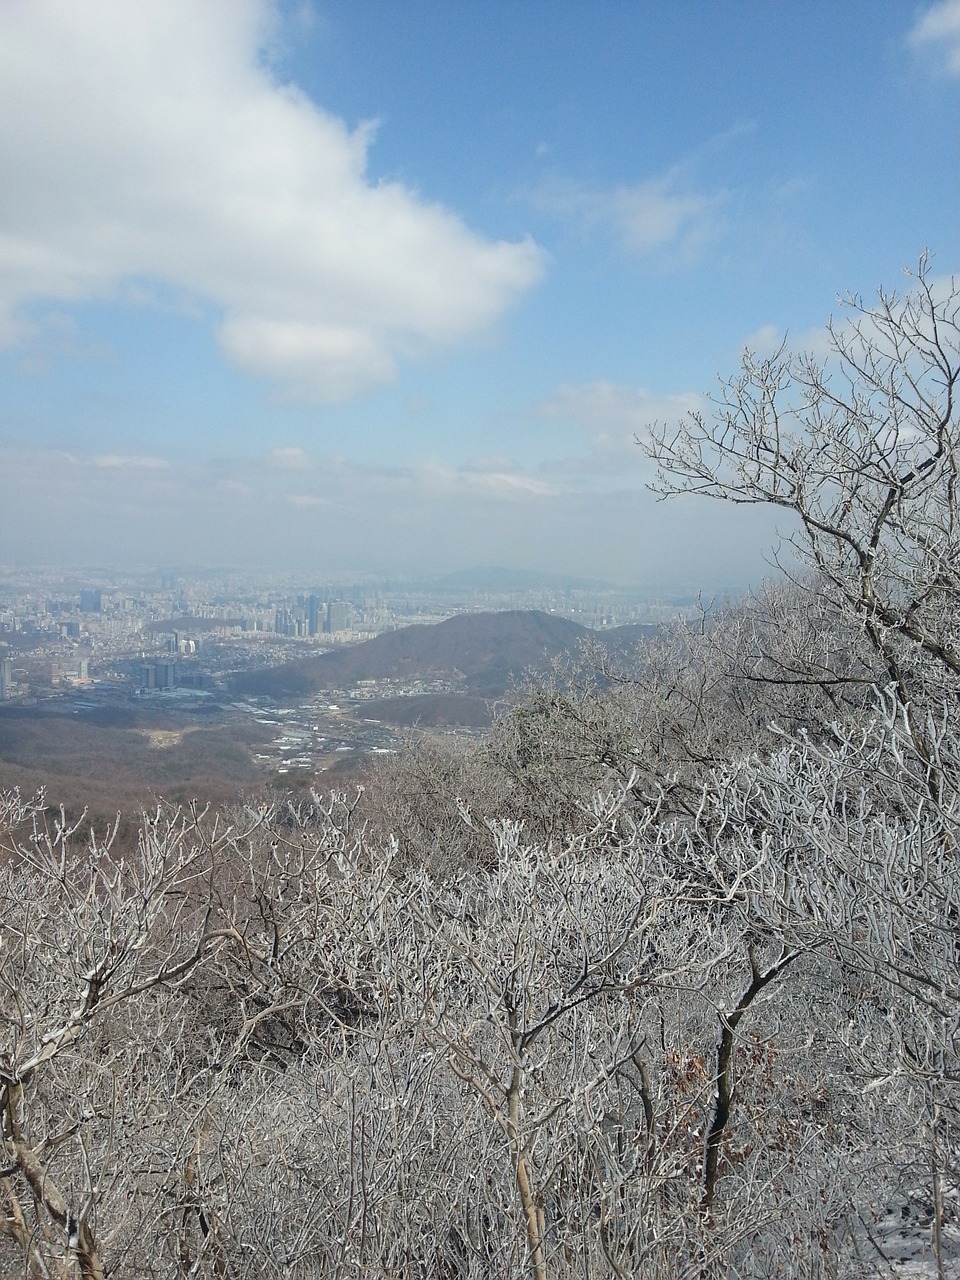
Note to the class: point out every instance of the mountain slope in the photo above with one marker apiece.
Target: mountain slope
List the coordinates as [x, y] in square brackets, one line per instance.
[479, 651]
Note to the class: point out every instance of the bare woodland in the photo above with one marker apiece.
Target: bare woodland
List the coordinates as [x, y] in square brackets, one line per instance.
[661, 981]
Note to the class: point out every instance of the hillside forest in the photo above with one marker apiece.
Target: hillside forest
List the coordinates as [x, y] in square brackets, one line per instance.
[660, 980]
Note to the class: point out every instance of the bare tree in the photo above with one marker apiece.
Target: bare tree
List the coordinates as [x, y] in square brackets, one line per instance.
[860, 451]
[88, 941]
[852, 860]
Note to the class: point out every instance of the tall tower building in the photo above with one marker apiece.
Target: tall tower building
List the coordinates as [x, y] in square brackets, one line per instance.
[336, 616]
[313, 615]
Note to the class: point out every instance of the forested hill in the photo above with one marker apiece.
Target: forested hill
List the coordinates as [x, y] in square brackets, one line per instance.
[484, 650]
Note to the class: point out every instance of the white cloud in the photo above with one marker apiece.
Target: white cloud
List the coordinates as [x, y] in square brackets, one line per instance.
[657, 215]
[351, 358]
[291, 458]
[939, 29]
[505, 484]
[432, 481]
[763, 341]
[149, 146]
[768, 339]
[235, 487]
[792, 189]
[614, 417]
[652, 214]
[129, 462]
[306, 501]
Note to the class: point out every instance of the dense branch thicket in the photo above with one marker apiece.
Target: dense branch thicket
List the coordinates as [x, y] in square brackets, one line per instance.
[862, 452]
[661, 981]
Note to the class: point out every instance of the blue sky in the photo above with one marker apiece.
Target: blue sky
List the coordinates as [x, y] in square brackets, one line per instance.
[394, 287]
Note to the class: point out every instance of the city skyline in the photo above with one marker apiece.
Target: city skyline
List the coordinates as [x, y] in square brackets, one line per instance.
[397, 287]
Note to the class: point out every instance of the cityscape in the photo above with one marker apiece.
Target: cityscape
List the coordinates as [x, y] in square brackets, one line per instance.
[169, 648]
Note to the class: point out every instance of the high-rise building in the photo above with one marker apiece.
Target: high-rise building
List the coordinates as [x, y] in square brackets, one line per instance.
[282, 624]
[89, 600]
[313, 615]
[158, 675]
[6, 677]
[336, 616]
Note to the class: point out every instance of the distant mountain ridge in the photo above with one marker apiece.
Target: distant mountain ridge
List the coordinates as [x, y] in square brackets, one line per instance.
[481, 652]
[496, 578]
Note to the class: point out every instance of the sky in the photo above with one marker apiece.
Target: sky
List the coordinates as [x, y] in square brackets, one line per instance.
[352, 285]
